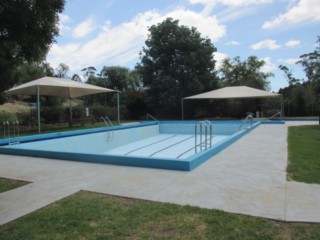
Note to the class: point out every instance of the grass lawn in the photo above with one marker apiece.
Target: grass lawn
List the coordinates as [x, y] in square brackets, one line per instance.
[87, 215]
[304, 154]
[8, 184]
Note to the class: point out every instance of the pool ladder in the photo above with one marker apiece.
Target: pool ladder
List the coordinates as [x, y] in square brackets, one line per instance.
[15, 131]
[108, 123]
[204, 129]
[248, 118]
[152, 117]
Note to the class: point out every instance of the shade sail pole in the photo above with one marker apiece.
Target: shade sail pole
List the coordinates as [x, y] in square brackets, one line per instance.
[182, 109]
[38, 108]
[282, 113]
[118, 107]
[70, 112]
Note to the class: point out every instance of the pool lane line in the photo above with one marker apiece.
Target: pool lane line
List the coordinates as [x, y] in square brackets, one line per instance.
[171, 146]
[188, 150]
[148, 145]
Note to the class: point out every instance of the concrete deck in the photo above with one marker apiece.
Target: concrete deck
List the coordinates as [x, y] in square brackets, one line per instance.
[248, 177]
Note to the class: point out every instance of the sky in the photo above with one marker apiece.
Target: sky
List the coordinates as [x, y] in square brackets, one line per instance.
[112, 32]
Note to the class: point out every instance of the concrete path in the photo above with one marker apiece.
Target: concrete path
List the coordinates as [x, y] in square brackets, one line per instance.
[248, 177]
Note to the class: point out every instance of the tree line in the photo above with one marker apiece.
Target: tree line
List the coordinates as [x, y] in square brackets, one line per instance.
[175, 62]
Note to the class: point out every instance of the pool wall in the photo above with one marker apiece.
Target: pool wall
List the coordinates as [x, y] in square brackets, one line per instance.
[96, 143]
[168, 163]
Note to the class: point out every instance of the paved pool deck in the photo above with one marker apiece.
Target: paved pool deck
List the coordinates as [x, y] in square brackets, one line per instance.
[248, 177]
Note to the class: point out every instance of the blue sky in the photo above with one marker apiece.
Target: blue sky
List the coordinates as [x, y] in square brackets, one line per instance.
[112, 32]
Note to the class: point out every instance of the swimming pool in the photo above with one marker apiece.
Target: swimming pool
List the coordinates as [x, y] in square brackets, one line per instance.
[176, 145]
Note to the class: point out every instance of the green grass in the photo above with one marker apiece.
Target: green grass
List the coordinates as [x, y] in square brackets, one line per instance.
[304, 154]
[86, 215]
[8, 184]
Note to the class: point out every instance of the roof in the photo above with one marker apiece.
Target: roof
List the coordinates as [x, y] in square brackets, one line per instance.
[235, 92]
[62, 87]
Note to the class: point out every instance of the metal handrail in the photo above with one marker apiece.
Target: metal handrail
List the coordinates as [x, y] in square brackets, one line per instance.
[207, 124]
[150, 116]
[107, 118]
[6, 129]
[108, 123]
[278, 113]
[15, 127]
[249, 117]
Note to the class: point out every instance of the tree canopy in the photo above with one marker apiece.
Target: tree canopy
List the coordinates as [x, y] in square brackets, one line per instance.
[27, 30]
[235, 72]
[176, 62]
[302, 96]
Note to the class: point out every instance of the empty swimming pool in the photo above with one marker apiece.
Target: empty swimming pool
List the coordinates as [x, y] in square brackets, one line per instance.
[177, 145]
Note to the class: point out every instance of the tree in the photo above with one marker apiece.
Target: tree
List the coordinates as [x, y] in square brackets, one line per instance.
[62, 70]
[175, 63]
[116, 77]
[249, 73]
[76, 78]
[301, 95]
[311, 65]
[27, 30]
[29, 72]
[89, 71]
[291, 79]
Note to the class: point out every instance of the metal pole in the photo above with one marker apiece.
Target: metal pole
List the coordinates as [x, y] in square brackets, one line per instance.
[200, 136]
[38, 106]
[282, 107]
[195, 138]
[182, 108]
[70, 113]
[206, 134]
[118, 106]
[210, 135]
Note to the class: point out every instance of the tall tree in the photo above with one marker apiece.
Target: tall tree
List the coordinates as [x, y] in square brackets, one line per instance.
[27, 30]
[175, 63]
[62, 70]
[28, 72]
[235, 72]
[89, 71]
[288, 73]
[311, 65]
[116, 77]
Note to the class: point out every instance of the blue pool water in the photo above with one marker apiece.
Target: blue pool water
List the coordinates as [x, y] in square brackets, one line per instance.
[177, 145]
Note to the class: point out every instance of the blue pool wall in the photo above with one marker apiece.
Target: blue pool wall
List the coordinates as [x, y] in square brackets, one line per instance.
[174, 164]
[96, 143]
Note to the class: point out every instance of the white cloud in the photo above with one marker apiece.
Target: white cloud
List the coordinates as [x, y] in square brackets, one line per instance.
[118, 45]
[207, 26]
[230, 2]
[269, 66]
[63, 19]
[304, 10]
[84, 28]
[244, 2]
[292, 43]
[235, 8]
[292, 60]
[219, 57]
[268, 43]
[233, 43]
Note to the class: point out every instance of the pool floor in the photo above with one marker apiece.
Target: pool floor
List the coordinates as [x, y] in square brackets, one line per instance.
[177, 146]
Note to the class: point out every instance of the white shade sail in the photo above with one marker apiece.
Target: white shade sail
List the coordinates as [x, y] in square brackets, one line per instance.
[235, 92]
[60, 87]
